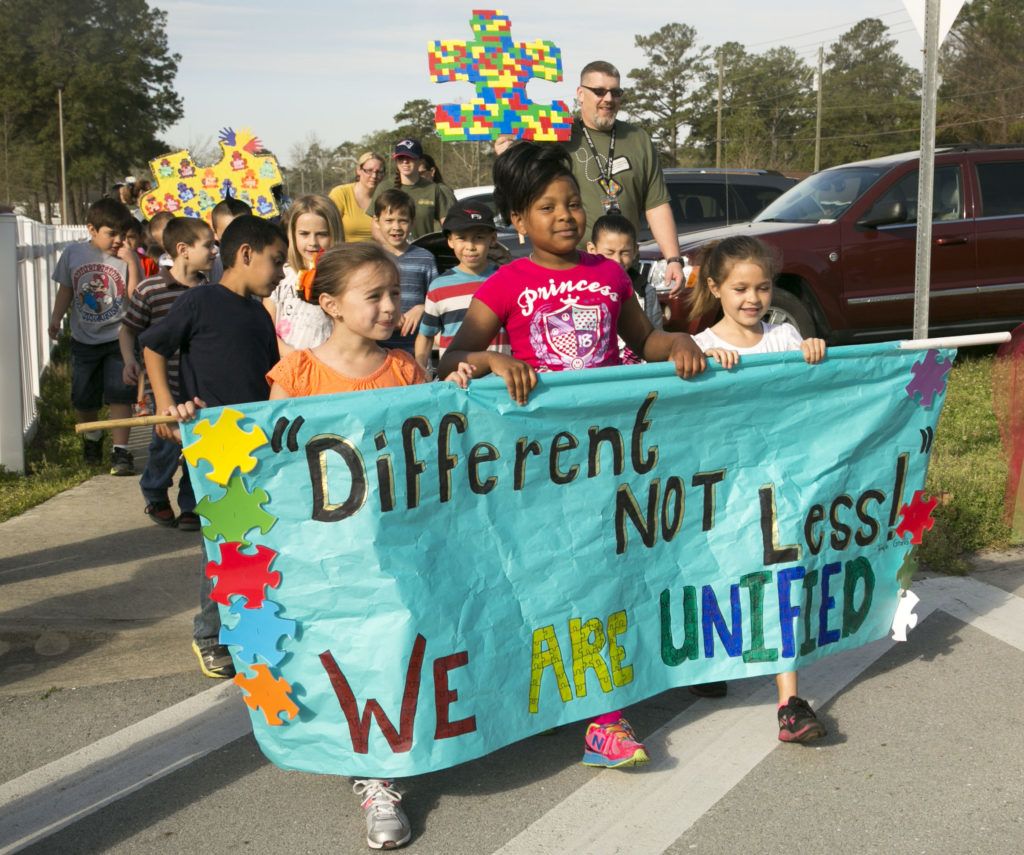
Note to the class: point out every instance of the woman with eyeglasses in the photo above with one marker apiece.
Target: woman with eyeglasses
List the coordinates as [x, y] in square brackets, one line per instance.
[353, 199]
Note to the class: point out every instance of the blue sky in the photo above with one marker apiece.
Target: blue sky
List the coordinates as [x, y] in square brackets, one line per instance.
[340, 70]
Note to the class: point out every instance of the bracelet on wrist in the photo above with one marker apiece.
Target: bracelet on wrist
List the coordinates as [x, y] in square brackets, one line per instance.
[675, 259]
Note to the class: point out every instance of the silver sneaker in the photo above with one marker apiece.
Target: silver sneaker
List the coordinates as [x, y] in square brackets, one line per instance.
[387, 826]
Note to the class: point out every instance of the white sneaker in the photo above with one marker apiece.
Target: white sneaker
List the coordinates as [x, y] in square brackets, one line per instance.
[387, 826]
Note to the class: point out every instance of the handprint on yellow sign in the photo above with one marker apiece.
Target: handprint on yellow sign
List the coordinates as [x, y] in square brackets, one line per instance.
[244, 172]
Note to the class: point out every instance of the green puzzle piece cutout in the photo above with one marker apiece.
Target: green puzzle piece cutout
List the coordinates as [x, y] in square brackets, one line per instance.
[908, 570]
[236, 513]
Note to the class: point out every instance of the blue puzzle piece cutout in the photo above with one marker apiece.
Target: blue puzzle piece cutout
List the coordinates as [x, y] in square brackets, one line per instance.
[256, 632]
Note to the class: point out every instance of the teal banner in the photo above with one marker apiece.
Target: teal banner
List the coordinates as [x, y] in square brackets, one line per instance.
[412, 578]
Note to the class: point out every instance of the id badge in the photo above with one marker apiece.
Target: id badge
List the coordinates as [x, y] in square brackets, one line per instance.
[610, 204]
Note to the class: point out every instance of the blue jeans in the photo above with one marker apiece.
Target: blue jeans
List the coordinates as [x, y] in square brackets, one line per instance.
[156, 480]
[206, 624]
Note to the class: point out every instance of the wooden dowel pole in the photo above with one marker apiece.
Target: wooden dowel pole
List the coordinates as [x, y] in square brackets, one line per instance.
[137, 421]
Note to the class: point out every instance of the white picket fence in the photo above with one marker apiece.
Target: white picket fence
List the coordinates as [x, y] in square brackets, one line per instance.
[28, 255]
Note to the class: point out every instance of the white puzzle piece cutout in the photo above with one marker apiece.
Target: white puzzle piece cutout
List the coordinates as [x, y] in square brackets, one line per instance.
[905, 619]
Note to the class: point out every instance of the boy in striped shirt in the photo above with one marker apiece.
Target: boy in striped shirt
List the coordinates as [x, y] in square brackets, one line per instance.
[189, 243]
[470, 230]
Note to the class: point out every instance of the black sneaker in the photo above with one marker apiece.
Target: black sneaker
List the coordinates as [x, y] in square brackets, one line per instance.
[188, 521]
[122, 462]
[161, 513]
[214, 660]
[798, 723]
[718, 689]
[92, 451]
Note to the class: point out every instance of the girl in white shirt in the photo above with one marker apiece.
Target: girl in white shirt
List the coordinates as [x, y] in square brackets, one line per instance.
[736, 274]
[313, 226]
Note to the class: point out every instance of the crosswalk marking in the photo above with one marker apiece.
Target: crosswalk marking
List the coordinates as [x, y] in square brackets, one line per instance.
[705, 751]
[699, 756]
[52, 797]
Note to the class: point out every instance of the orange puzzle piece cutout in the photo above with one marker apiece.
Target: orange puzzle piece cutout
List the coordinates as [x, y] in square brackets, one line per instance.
[269, 694]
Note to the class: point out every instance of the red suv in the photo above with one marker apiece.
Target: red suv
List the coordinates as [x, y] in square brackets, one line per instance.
[847, 236]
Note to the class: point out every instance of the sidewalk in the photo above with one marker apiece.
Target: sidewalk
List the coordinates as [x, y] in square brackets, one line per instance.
[95, 603]
[925, 751]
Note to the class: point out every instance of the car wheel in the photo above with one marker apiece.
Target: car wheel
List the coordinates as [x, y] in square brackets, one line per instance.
[787, 309]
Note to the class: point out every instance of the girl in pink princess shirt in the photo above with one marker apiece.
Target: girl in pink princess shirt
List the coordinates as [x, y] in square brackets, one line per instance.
[563, 310]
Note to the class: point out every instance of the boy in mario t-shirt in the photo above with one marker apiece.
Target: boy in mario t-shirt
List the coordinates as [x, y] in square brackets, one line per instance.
[95, 280]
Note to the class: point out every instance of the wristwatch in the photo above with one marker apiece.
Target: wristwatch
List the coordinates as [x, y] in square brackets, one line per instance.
[675, 259]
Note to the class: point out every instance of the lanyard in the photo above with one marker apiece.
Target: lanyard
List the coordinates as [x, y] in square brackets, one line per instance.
[605, 181]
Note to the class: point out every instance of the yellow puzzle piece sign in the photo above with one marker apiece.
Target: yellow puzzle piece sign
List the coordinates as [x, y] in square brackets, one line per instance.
[244, 172]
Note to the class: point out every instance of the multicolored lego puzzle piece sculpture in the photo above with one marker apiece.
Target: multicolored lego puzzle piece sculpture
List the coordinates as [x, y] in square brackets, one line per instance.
[499, 68]
[244, 171]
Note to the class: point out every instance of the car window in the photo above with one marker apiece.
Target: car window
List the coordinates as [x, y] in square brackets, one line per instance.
[754, 198]
[1002, 188]
[824, 196]
[696, 204]
[947, 194]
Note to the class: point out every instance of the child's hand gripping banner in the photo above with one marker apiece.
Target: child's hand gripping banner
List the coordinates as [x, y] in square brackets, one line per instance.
[413, 578]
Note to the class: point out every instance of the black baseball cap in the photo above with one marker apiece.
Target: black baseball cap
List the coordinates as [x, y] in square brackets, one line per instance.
[468, 215]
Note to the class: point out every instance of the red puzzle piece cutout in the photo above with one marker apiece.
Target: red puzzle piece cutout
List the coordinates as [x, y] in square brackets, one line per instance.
[269, 694]
[240, 573]
[917, 517]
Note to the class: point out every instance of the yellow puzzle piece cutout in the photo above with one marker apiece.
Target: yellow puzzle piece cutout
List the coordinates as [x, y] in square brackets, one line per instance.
[225, 445]
[186, 189]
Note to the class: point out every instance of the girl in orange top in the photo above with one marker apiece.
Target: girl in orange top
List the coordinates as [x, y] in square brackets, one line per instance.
[357, 286]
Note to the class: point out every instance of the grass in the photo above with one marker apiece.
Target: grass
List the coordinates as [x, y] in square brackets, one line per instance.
[967, 470]
[53, 461]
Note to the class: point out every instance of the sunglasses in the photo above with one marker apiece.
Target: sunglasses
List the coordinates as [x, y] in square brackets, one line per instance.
[600, 91]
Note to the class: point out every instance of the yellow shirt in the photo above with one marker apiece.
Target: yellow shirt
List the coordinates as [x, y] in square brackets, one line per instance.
[357, 225]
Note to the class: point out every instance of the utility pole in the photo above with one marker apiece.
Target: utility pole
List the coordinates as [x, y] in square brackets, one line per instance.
[817, 129]
[718, 131]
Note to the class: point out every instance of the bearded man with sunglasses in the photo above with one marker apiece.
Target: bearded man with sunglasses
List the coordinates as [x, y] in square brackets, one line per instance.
[617, 166]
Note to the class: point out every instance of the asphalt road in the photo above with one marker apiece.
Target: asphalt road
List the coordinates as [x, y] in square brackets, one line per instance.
[111, 741]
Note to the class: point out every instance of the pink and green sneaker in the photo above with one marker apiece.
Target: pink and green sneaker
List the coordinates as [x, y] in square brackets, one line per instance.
[613, 746]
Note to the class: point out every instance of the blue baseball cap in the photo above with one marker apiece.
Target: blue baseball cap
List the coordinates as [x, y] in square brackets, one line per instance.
[408, 148]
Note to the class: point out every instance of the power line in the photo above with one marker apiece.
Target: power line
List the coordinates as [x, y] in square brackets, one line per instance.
[810, 53]
[825, 29]
[911, 130]
[813, 46]
[908, 102]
